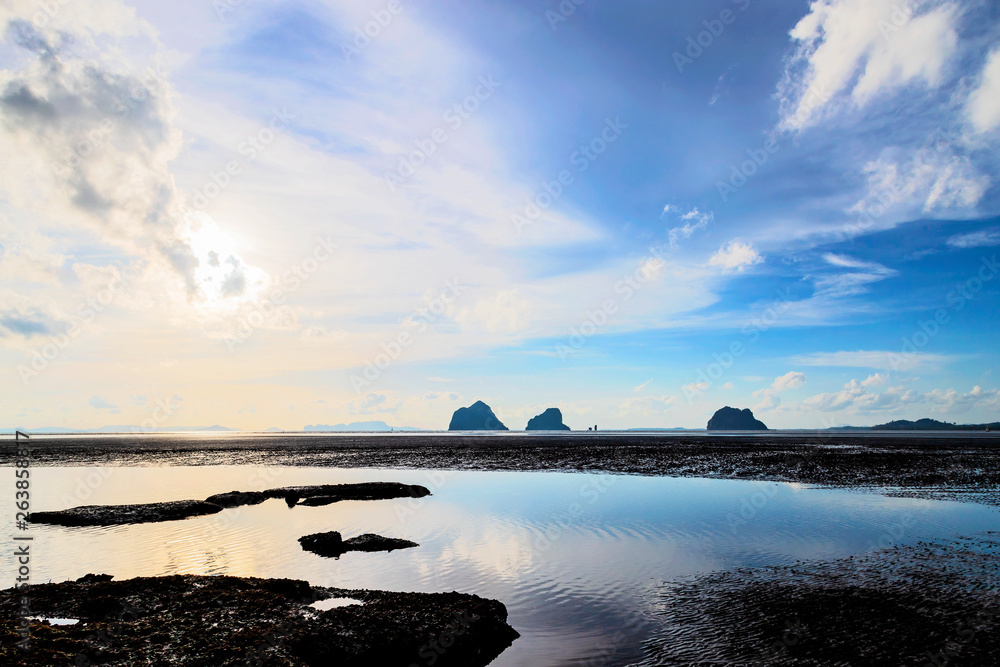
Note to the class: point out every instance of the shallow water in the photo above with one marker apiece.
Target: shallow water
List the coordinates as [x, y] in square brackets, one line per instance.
[579, 560]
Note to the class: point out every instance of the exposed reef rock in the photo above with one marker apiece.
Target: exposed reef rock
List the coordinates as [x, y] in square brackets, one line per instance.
[324, 494]
[227, 621]
[550, 420]
[332, 545]
[476, 417]
[731, 419]
[116, 515]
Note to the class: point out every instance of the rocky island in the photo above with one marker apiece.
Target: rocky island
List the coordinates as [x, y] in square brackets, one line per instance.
[550, 420]
[732, 419]
[476, 417]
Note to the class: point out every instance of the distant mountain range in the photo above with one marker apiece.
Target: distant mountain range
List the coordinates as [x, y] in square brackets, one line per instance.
[921, 425]
[376, 426]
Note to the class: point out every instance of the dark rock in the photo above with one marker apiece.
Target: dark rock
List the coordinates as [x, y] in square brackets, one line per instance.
[227, 621]
[731, 419]
[476, 417]
[550, 420]
[116, 515]
[373, 542]
[332, 545]
[324, 544]
[237, 498]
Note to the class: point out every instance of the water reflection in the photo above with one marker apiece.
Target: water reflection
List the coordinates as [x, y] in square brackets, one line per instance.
[577, 559]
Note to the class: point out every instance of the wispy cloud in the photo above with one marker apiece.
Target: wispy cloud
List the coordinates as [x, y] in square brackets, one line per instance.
[882, 360]
[981, 239]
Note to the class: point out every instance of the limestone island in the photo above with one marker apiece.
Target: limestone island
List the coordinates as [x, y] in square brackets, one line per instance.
[732, 419]
[550, 420]
[476, 417]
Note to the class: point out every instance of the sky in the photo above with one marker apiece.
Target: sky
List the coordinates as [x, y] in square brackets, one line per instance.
[268, 214]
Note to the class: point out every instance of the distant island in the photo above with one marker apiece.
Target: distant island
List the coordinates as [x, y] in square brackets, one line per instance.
[732, 419]
[476, 417]
[373, 426]
[550, 420]
[924, 424]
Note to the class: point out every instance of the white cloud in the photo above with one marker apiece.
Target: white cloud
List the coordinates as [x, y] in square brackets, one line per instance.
[981, 239]
[790, 380]
[876, 380]
[852, 282]
[894, 360]
[694, 221]
[769, 396]
[735, 255]
[852, 51]
[935, 179]
[858, 398]
[983, 106]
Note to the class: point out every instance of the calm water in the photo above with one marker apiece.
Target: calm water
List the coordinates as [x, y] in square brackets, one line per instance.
[579, 560]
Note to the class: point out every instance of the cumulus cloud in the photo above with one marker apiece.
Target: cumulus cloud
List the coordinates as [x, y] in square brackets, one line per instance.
[769, 395]
[983, 106]
[858, 397]
[853, 51]
[642, 386]
[981, 239]
[735, 255]
[88, 140]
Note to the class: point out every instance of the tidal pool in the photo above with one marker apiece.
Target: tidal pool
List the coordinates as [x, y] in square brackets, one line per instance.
[579, 560]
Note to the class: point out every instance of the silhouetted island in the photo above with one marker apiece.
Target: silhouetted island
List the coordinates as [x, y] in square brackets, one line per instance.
[550, 420]
[732, 419]
[476, 417]
[933, 425]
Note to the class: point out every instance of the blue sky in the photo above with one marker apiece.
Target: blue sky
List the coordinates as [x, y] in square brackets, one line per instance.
[259, 215]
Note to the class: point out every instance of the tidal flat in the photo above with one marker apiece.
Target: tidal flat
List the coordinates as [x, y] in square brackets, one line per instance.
[615, 549]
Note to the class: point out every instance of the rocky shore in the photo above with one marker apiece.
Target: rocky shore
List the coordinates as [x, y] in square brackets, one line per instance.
[325, 494]
[223, 621]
